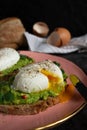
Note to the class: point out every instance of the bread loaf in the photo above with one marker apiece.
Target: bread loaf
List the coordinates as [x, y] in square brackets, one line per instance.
[11, 32]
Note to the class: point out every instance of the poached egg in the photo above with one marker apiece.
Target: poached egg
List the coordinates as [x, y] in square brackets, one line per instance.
[38, 76]
[8, 57]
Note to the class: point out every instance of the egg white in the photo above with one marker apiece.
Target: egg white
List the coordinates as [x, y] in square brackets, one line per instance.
[30, 82]
[8, 57]
[38, 76]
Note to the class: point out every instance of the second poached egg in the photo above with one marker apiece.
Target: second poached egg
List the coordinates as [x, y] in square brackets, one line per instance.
[8, 57]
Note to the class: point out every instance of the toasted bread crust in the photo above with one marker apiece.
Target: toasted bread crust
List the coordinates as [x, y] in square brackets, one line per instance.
[29, 109]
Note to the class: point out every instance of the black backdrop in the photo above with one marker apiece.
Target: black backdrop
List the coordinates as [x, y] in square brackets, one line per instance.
[71, 14]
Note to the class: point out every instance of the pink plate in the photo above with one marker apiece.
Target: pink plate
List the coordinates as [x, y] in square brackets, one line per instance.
[53, 115]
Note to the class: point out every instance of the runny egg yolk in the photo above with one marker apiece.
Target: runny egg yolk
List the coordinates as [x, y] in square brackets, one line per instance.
[54, 80]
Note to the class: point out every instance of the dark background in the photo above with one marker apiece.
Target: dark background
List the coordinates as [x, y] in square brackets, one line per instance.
[71, 14]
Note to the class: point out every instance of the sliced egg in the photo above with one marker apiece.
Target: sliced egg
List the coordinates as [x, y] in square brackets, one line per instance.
[38, 76]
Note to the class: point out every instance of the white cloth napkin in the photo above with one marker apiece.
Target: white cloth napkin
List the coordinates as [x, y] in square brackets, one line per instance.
[38, 44]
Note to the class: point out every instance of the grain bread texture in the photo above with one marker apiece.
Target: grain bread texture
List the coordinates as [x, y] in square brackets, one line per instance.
[11, 32]
[30, 109]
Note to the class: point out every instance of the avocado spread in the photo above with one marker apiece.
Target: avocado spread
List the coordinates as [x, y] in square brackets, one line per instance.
[24, 60]
[9, 96]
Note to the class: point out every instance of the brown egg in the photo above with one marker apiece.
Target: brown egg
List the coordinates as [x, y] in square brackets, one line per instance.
[59, 37]
[54, 39]
[64, 35]
[40, 29]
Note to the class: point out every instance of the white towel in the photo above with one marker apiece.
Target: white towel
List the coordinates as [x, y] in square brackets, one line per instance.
[38, 44]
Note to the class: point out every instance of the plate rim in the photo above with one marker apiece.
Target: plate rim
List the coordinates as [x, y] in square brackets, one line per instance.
[62, 120]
